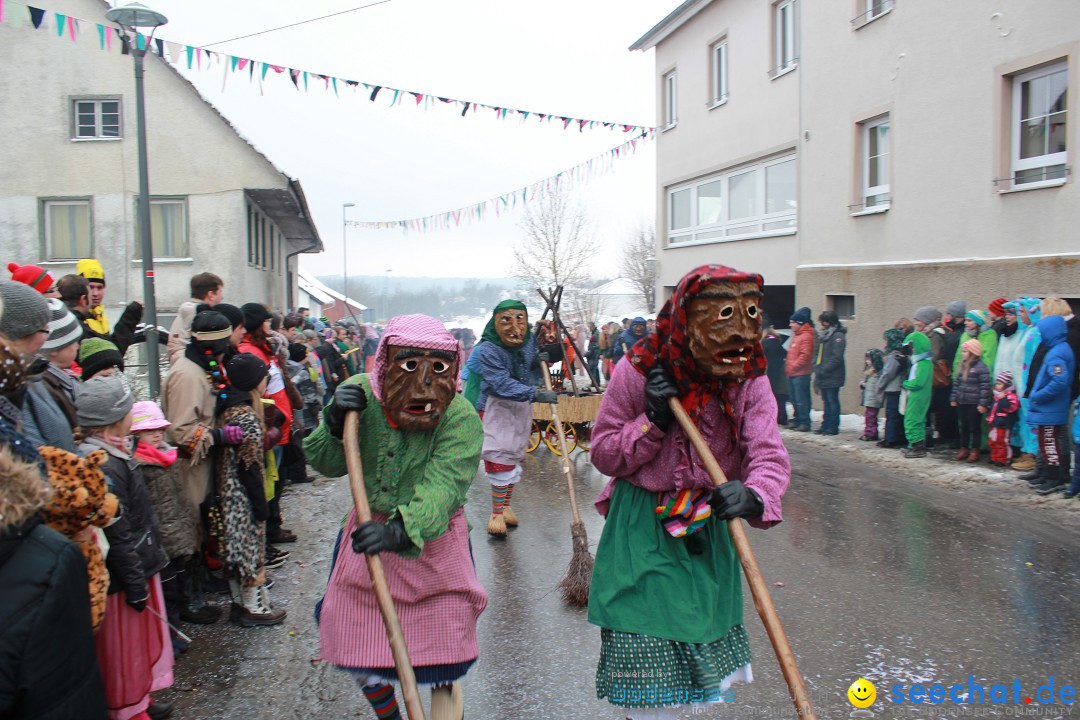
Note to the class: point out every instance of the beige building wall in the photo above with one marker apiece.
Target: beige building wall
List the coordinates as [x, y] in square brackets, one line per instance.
[942, 72]
[758, 121]
[193, 153]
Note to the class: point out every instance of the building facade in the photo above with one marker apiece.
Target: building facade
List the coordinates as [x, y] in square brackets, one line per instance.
[932, 152]
[71, 180]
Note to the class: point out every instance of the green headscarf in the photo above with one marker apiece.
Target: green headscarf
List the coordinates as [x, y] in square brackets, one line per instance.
[476, 378]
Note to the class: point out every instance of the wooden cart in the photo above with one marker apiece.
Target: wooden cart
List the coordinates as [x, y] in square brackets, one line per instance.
[577, 414]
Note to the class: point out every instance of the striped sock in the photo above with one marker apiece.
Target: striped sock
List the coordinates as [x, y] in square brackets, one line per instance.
[383, 701]
[509, 494]
[500, 498]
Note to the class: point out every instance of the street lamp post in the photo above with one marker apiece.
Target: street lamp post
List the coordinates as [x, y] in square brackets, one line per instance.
[130, 17]
[345, 261]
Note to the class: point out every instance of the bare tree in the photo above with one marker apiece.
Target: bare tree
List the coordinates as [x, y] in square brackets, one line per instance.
[557, 247]
[639, 264]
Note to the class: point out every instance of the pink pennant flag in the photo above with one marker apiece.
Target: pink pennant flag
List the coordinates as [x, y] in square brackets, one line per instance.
[198, 57]
[418, 96]
[242, 63]
[72, 27]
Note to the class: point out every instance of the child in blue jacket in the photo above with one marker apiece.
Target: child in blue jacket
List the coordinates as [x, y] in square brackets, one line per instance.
[1054, 367]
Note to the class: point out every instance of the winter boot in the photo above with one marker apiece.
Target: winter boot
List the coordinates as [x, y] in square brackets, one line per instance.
[509, 517]
[917, 450]
[256, 609]
[1025, 463]
[447, 702]
[1037, 474]
[961, 454]
[973, 456]
[497, 525]
[1052, 482]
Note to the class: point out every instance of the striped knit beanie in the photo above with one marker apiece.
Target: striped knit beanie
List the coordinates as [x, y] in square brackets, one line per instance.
[1005, 378]
[64, 327]
[979, 317]
[97, 354]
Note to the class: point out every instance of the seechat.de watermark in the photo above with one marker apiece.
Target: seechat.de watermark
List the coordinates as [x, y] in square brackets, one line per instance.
[975, 693]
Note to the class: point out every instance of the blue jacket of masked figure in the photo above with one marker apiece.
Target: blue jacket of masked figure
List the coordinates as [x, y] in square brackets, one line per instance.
[1051, 388]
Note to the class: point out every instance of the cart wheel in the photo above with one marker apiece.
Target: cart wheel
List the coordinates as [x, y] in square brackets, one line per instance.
[551, 437]
[534, 437]
[584, 435]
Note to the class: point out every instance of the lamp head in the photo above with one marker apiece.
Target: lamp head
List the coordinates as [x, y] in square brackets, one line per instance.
[345, 205]
[135, 15]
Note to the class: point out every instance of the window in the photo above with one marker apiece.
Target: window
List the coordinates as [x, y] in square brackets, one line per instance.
[670, 100]
[67, 229]
[842, 305]
[754, 200]
[875, 163]
[877, 8]
[719, 72]
[784, 21]
[96, 119]
[168, 228]
[1039, 108]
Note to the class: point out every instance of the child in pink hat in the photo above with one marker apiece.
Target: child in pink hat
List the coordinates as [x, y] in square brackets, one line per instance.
[179, 529]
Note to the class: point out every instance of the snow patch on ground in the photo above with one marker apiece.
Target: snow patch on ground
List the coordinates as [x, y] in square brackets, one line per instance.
[938, 467]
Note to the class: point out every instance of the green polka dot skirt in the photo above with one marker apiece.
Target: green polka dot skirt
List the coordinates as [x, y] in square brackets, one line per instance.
[641, 671]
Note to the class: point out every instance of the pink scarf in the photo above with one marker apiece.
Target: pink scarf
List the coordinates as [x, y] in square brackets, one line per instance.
[155, 456]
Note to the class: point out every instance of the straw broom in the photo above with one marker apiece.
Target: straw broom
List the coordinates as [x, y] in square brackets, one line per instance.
[760, 591]
[414, 708]
[575, 586]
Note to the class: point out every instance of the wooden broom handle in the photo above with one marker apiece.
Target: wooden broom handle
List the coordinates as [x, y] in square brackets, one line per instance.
[562, 444]
[414, 708]
[762, 599]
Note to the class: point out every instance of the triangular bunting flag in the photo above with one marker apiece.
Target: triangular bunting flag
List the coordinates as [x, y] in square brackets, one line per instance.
[103, 37]
[173, 50]
[61, 21]
[37, 15]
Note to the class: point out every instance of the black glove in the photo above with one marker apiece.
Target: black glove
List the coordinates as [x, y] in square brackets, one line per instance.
[733, 499]
[546, 396]
[137, 605]
[376, 537]
[543, 357]
[346, 398]
[658, 388]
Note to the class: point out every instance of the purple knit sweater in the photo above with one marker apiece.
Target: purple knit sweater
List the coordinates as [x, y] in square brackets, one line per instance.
[627, 446]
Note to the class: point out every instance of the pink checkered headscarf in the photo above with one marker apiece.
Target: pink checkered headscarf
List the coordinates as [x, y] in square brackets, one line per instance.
[418, 331]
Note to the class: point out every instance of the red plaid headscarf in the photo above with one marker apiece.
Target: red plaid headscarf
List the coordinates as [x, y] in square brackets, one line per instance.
[669, 347]
[417, 331]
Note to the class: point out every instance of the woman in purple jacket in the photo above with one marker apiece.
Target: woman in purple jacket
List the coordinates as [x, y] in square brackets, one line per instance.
[665, 543]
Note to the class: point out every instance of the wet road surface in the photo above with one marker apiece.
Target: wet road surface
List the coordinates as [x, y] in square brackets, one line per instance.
[883, 577]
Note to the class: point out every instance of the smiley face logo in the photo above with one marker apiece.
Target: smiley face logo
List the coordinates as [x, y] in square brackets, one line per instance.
[862, 693]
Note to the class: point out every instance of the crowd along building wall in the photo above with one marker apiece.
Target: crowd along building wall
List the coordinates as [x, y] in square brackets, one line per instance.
[71, 180]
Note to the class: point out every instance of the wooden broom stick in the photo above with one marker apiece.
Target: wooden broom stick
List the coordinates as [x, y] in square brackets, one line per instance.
[414, 708]
[762, 599]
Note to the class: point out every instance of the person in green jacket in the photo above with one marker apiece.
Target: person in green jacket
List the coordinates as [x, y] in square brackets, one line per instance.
[919, 388]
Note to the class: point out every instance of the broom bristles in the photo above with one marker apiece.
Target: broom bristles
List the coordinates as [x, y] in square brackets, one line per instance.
[575, 586]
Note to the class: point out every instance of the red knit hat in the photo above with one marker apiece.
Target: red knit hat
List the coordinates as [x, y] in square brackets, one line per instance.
[32, 275]
[997, 307]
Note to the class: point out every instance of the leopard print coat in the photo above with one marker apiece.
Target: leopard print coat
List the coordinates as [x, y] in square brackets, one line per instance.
[81, 500]
[242, 537]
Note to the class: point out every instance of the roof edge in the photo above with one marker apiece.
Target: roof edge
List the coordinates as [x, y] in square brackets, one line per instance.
[675, 19]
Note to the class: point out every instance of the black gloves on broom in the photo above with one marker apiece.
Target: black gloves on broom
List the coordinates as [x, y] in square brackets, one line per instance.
[544, 395]
[375, 537]
[733, 499]
[658, 388]
[346, 398]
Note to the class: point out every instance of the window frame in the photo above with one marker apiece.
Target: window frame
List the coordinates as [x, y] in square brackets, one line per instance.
[830, 304]
[1016, 163]
[46, 245]
[73, 104]
[670, 85]
[876, 191]
[718, 59]
[159, 200]
[726, 229]
[785, 43]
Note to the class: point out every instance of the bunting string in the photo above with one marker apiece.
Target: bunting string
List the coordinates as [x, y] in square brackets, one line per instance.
[257, 71]
[497, 206]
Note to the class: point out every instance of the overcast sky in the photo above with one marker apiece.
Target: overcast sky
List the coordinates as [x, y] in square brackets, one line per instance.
[566, 57]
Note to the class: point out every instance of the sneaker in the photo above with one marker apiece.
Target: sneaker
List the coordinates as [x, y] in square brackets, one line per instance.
[275, 558]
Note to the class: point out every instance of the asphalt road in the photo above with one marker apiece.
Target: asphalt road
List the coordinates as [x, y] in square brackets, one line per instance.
[875, 574]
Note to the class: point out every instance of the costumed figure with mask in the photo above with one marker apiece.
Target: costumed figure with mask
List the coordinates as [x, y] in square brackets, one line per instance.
[919, 390]
[498, 387]
[665, 543]
[420, 446]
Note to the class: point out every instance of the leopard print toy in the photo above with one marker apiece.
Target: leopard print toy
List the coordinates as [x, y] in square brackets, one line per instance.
[242, 537]
[81, 500]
